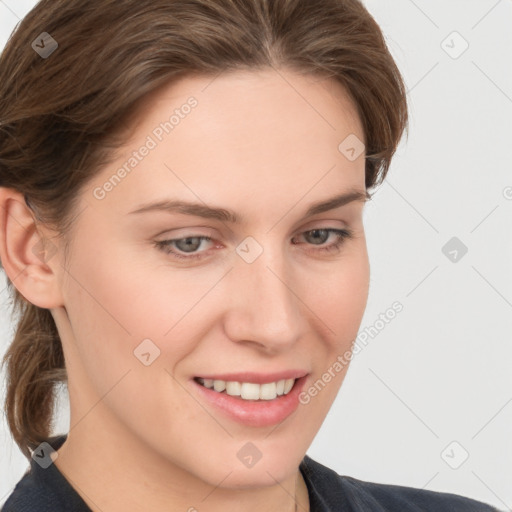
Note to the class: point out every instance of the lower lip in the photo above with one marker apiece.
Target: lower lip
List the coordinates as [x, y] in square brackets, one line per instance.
[254, 413]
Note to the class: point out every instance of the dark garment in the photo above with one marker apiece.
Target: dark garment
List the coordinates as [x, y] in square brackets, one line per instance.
[46, 490]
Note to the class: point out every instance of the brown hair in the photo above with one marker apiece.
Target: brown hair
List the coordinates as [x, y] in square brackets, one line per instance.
[61, 116]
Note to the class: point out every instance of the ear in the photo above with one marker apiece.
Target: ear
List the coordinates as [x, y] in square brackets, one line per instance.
[30, 259]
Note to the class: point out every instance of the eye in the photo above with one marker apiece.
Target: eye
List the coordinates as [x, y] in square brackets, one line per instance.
[323, 234]
[187, 248]
[184, 245]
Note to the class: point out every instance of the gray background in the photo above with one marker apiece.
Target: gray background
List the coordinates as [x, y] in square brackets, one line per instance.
[434, 385]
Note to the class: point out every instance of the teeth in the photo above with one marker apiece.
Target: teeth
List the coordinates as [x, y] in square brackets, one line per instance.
[288, 384]
[233, 388]
[268, 391]
[219, 385]
[250, 390]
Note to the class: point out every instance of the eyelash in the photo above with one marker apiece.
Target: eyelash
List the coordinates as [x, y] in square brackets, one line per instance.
[164, 245]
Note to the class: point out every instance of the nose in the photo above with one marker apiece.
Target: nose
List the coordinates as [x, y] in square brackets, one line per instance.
[264, 303]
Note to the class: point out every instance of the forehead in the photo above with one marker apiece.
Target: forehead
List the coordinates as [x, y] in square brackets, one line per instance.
[233, 94]
[259, 130]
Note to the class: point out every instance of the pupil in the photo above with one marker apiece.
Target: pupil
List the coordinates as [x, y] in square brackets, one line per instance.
[189, 244]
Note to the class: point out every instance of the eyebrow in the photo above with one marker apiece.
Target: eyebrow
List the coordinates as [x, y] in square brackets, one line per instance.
[222, 214]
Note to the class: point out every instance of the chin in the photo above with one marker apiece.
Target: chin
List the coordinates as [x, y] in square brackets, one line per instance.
[264, 476]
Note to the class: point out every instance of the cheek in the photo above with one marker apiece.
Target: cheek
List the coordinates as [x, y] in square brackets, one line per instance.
[339, 296]
[112, 307]
[115, 304]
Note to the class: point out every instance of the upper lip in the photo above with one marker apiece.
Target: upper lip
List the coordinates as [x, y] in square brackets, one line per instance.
[255, 377]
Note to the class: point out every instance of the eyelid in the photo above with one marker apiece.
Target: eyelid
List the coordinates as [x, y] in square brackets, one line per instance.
[341, 235]
[193, 231]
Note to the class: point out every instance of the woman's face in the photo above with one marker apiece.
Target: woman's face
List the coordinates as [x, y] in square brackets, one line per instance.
[265, 298]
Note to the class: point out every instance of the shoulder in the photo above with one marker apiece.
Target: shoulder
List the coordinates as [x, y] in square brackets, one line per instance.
[44, 489]
[29, 495]
[397, 497]
[331, 491]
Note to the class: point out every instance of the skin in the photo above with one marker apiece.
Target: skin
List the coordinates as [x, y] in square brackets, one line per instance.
[261, 143]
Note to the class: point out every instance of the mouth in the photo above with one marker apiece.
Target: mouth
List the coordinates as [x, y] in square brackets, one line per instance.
[252, 399]
[249, 390]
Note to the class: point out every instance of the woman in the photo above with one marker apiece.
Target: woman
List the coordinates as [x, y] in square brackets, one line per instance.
[182, 190]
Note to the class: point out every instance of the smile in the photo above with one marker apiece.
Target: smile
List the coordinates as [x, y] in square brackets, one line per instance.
[249, 398]
[249, 390]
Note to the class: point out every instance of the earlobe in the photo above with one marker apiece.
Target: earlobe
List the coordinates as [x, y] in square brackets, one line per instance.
[28, 258]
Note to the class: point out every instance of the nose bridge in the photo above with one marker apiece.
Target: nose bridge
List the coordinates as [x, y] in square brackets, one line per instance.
[267, 311]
